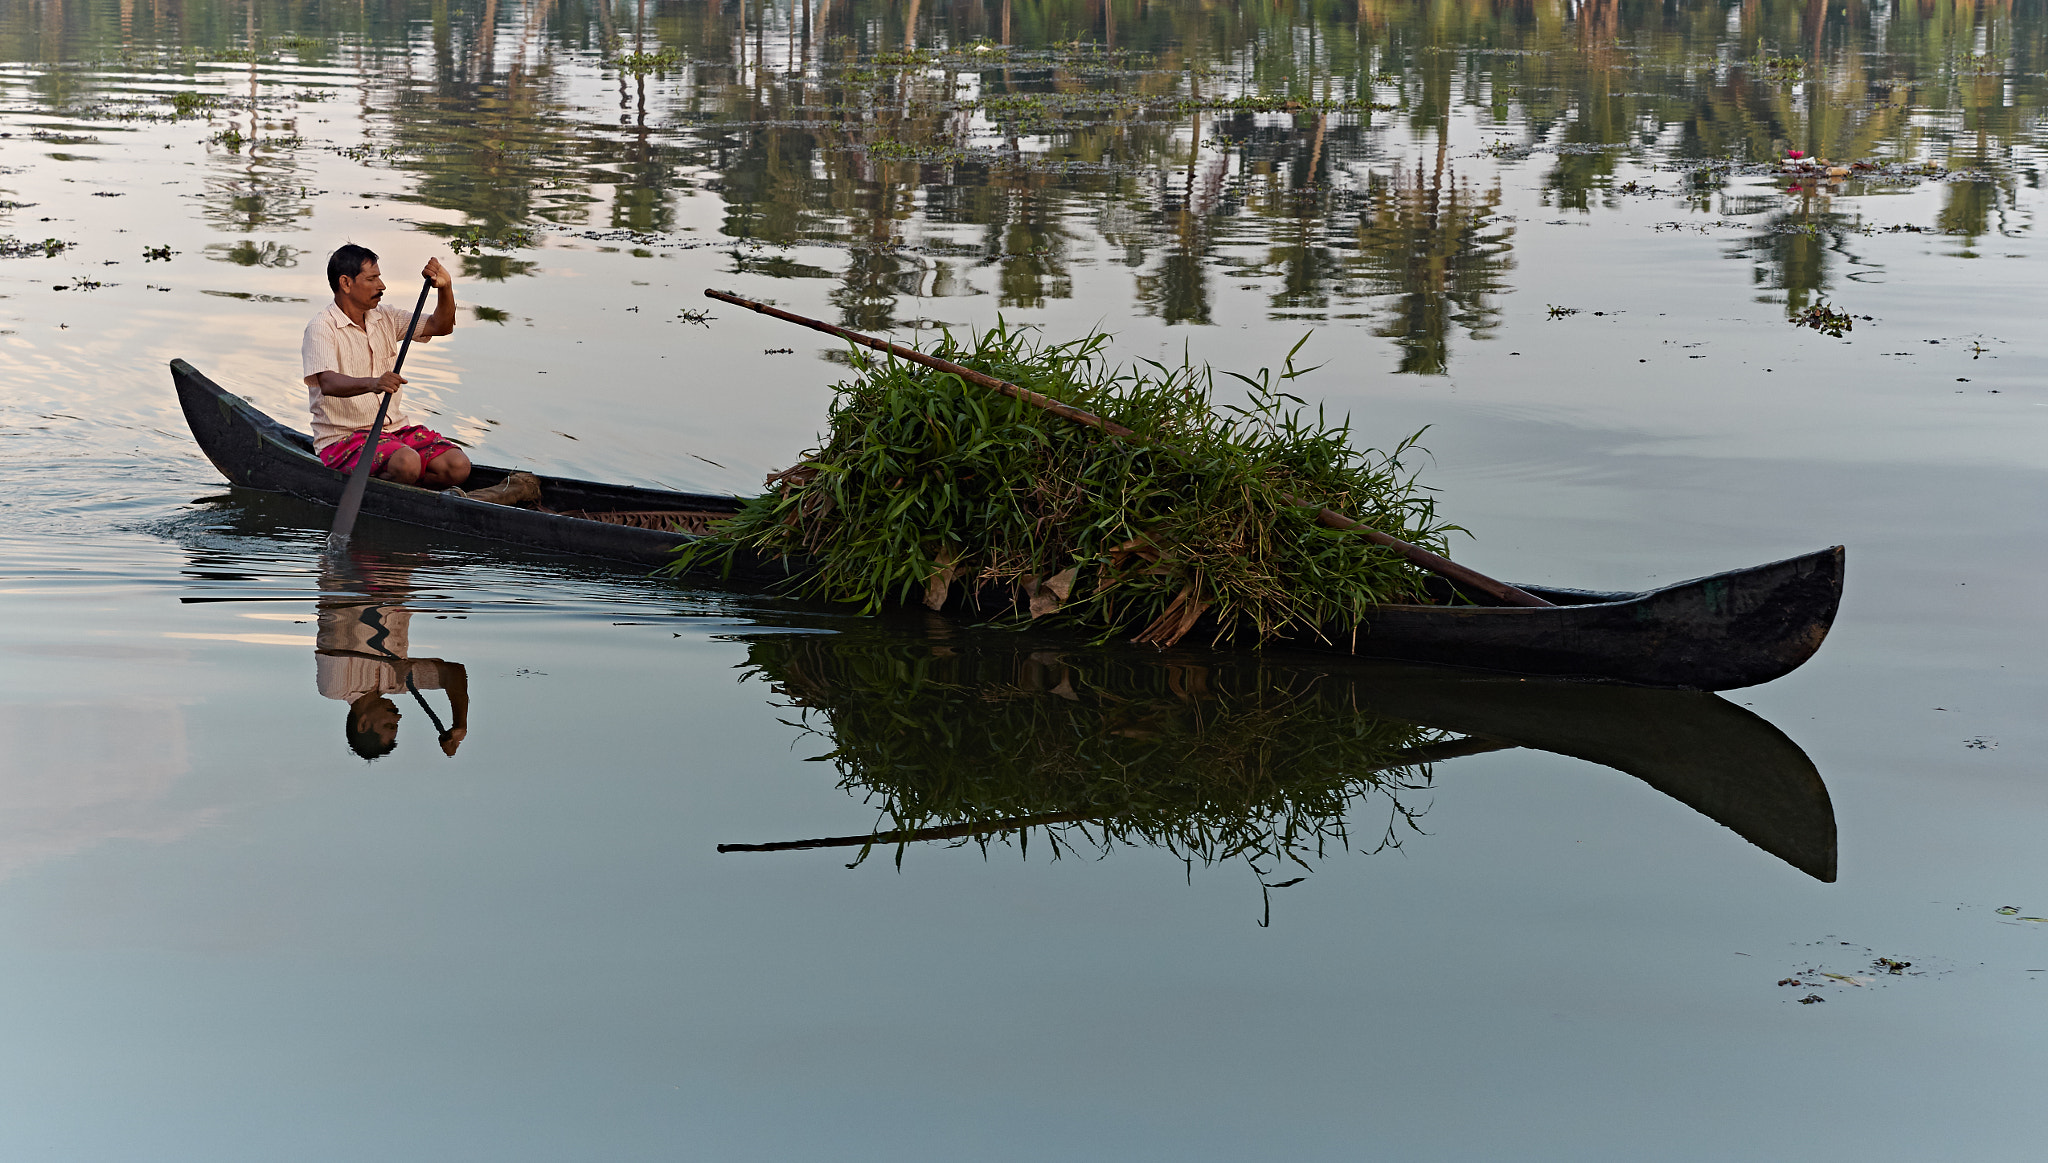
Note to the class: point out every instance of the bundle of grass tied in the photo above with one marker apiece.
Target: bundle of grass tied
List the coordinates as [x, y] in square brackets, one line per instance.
[928, 487]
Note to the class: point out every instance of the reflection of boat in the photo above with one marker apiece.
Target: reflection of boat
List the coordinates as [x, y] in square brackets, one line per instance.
[1715, 633]
[1218, 756]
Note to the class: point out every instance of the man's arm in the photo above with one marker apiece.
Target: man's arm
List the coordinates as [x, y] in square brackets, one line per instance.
[455, 680]
[442, 321]
[336, 384]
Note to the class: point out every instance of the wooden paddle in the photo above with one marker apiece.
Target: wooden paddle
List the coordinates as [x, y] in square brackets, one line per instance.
[359, 477]
[1435, 563]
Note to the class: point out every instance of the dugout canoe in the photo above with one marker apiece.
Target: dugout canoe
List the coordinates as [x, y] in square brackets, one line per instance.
[1729, 630]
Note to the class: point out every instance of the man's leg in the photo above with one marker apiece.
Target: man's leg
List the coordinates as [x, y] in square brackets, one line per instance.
[403, 466]
[448, 470]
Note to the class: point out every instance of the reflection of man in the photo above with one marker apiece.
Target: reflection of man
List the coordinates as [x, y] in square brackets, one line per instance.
[349, 350]
[360, 657]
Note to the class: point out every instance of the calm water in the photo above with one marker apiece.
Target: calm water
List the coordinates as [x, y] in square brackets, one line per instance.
[1554, 234]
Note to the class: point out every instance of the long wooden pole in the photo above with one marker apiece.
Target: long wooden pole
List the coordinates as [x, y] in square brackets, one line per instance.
[1435, 563]
[359, 476]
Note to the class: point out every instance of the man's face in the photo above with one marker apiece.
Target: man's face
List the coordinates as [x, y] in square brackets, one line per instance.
[380, 717]
[365, 289]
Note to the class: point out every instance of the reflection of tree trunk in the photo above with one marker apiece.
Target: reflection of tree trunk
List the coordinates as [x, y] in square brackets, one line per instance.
[536, 15]
[253, 54]
[910, 26]
[1006, 21]
[485, 49]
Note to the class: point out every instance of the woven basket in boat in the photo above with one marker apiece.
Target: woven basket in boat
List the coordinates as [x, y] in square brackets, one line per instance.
[665, 520]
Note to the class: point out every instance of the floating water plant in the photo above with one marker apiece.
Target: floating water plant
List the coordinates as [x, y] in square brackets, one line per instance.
[928, 488]
[1825, 319]
[639, 64]
[474, 240]
[18, 248]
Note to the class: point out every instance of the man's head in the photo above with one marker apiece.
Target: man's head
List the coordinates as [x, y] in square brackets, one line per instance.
[352, 274]
[372, 726]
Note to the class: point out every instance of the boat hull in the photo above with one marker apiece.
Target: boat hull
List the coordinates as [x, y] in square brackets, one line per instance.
[1730, 630]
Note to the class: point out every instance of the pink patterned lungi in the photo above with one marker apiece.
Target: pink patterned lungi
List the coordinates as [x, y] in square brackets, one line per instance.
[428, 443]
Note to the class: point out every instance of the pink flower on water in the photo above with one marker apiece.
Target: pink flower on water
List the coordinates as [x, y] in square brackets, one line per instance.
[1795, 154]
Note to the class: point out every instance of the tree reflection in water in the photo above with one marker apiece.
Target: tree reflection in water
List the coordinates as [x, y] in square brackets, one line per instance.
[968, 147]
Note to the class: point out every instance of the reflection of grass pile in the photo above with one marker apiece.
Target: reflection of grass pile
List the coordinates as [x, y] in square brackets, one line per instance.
[1237, 760]
[927, 487]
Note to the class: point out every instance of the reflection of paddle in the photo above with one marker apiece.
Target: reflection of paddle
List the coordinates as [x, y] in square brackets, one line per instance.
[440, 731]
[359, 477]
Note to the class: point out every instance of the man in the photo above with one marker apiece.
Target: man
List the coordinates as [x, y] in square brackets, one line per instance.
[361, 656]
[348, 353]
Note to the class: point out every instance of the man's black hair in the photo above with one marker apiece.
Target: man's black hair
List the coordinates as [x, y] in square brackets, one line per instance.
[347, 262]
[362, 740]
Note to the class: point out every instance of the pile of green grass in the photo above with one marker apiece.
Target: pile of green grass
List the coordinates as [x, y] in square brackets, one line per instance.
[929, 488]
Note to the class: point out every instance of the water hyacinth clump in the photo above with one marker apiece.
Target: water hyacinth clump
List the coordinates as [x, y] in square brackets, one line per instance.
[927, 488]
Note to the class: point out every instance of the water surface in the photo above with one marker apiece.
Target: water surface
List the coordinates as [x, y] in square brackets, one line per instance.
[1558, 236]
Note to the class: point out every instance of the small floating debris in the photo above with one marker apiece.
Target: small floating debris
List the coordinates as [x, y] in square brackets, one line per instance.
[1825, 319]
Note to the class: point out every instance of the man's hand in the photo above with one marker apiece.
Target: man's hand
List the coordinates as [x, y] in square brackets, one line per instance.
[442, 321]
[452, 738]
[389, 382]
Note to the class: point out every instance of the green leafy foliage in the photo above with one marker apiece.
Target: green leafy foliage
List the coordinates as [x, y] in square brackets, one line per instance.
[1825, 319]
[639, 64]
[927, 487]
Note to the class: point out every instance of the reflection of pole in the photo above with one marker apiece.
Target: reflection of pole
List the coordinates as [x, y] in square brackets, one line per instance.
[1425, 754]
[1006, 21]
